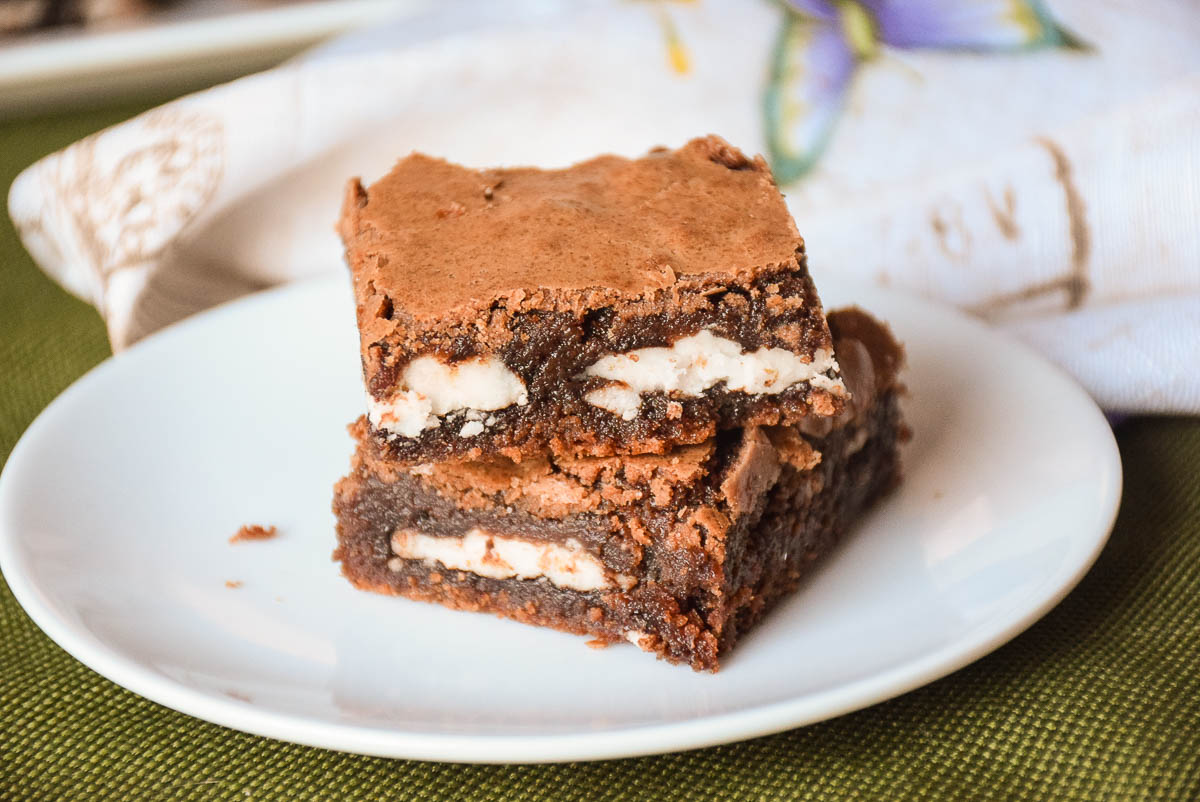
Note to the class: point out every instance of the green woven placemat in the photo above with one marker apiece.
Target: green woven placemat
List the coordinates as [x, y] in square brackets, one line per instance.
[1098, 701]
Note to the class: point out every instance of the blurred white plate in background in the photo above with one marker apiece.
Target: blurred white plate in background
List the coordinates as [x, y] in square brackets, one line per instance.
[204, 40]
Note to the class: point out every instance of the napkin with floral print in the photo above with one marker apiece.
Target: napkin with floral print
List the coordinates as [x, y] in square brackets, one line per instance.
[1035, 163]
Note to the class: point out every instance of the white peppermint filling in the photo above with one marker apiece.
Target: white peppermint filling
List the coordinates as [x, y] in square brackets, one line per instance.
[694, 364]
[619, 399]
[431, 388]
[567, 565]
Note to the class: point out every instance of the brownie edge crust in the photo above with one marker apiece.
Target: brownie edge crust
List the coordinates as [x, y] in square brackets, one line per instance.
[680, 554]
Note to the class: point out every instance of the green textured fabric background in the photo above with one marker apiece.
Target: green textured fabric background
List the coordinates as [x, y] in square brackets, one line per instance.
[1098, 701]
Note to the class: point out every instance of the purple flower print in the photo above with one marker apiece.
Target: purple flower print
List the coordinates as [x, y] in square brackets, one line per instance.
[822, 43]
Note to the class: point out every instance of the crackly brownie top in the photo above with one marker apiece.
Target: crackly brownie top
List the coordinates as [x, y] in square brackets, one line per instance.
[438, 237]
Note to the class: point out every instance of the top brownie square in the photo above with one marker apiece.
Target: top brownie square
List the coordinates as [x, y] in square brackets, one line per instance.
[616, 306]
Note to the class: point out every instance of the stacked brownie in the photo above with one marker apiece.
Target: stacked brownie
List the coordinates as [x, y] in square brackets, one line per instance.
[604, 399]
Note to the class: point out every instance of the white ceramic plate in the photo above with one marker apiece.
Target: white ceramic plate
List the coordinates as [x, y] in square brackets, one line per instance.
[116, 507]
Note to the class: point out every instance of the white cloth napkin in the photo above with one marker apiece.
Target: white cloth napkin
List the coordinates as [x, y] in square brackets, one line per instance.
[1037, 165]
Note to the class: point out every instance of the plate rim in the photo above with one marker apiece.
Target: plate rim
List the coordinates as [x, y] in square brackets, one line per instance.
[609, 743]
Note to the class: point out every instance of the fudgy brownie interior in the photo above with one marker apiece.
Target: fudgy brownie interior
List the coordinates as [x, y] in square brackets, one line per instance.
[551, 353]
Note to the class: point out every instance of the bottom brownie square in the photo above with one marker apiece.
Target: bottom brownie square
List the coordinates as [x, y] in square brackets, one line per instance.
[678, 553]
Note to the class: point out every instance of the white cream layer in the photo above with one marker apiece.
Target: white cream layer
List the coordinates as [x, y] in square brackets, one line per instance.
[637, 638]
[567, 565]
[694, 364]
[432, 388]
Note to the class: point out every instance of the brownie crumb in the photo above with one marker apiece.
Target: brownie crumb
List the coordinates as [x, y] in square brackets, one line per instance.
[254, 532]
[233, 583]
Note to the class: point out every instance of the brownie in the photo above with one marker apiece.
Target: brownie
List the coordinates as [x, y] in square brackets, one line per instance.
[618, 306]
[680, 553]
